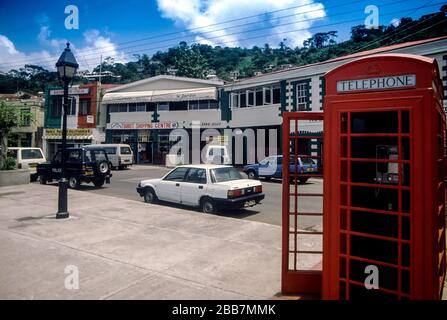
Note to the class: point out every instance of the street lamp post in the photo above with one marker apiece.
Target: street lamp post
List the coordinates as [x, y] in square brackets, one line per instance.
[66, 69]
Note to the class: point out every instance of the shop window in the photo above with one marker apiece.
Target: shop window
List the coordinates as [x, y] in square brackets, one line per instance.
[243, 100]
[250, 98]
[151, 106]
[56, 107]
[122, 107]
[203, 104]
[71, 106]
[235, 100]
[276, 95]
[214, 104]
[141, 107]
[267, 95]
[132, 107]
[178, 105]
[113, 108]
[163, 106]
[84, 107]
[259, 97]
[193, 105]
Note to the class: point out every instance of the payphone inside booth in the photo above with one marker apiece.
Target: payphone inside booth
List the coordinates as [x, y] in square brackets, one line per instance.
[384, 180]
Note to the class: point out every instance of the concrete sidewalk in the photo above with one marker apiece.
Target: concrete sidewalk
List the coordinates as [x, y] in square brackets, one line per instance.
[126, 249]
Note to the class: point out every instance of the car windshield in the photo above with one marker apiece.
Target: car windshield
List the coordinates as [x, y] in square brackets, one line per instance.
[225, 174]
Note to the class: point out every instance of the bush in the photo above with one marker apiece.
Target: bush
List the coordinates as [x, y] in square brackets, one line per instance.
[10, 164]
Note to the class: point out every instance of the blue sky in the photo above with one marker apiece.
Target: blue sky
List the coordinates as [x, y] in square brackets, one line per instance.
[34, 31]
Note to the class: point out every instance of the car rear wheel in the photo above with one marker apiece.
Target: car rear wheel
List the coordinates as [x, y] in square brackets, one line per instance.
[208, 206]
[74, 182]
[251, 174]
[150, 196]
[103, 167]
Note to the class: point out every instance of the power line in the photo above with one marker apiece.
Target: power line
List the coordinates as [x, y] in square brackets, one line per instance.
[167, 46]
[182, 37]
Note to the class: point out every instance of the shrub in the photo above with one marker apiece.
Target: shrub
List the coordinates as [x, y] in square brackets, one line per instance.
[9, 164]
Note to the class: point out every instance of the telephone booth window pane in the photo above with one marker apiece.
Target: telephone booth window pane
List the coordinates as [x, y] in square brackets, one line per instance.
[405, 201]
[374, 147]
[374, 122]
[375, 198]
[405, 119]
[387, 275]
[405, 148]
[374, 249]
[375, 223]
[344, 171]
[344, 123]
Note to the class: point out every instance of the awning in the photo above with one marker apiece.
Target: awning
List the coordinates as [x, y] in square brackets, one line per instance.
[208, 93]
[51, 137]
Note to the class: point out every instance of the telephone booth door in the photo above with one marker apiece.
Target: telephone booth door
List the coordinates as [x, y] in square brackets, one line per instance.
[384, 182]
[302, 235]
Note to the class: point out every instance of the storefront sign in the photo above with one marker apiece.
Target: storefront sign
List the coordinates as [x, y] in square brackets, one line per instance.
[90, 119]
[72, 91]
[393, 82]
[144, 125]
[70, 132]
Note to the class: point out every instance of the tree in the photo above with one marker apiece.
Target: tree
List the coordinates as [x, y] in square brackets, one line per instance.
[9, 119]
[189, 62]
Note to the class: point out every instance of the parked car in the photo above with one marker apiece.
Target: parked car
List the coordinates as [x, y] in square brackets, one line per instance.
[209, 187]
[120, 155]
[216, 154]
[84, 165]
[271, 167]
[27, 158]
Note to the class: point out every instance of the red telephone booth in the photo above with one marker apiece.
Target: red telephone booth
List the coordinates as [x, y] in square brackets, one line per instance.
[384, 179]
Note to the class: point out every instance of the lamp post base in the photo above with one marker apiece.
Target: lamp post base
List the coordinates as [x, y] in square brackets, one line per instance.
[62, 211]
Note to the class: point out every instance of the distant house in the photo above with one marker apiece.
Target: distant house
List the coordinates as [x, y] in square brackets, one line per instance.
[29, 133]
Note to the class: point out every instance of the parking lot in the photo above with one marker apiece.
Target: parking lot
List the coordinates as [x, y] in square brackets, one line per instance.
[124, 182]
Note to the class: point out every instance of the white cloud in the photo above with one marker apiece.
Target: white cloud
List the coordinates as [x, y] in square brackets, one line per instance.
[88, 54]
[198, 13]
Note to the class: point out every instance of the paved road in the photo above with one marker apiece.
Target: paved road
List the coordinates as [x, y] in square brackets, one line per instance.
[124, 182]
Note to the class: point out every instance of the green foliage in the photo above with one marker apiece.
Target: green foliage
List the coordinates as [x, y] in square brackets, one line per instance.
[9, 164]
[9, 116]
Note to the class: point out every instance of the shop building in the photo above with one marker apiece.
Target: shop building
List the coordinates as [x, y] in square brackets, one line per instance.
[143, 113]
[81, 117]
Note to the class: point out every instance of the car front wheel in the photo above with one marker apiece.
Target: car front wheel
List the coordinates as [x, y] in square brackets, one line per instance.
[150, 196]
[208, 206]
[74, 182]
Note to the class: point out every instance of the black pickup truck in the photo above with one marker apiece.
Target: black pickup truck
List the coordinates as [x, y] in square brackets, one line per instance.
[83, 165]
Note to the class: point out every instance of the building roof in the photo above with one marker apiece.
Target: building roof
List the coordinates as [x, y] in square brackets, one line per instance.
[342, 58]
[166, 77]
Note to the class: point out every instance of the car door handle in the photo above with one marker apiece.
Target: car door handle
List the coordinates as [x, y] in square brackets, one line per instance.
[200, 187]
[177, 184]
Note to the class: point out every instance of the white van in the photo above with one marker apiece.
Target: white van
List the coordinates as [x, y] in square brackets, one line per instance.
[28, 158]
[120, 155]
[217, 154]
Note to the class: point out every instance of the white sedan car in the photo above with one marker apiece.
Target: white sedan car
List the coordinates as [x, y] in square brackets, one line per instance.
[209, 187]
